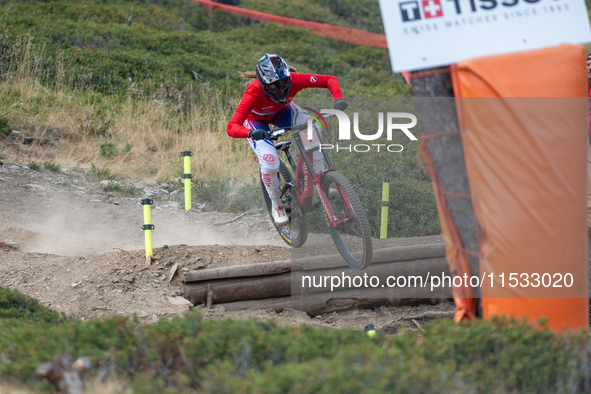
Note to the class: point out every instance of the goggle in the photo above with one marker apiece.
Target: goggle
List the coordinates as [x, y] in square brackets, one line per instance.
[282, 84]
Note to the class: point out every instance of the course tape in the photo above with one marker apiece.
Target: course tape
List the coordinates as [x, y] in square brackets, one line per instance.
[354, 36]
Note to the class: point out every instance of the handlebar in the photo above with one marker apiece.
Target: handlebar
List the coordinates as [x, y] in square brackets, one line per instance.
[279, 132]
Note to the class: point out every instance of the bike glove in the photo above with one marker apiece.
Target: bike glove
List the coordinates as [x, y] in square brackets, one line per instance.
[341, 105]
[258, 134]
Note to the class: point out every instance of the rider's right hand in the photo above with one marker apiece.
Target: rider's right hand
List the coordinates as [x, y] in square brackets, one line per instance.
[259, 134]
[341, 105]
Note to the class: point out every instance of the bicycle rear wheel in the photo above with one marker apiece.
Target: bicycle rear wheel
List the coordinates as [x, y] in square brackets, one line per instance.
[352, 236]
[295, 233]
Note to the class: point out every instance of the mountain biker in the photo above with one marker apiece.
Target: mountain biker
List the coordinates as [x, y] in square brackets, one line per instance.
[267, 100]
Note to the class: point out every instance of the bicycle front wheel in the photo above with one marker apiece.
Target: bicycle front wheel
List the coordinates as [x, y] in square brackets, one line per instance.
[351, 236]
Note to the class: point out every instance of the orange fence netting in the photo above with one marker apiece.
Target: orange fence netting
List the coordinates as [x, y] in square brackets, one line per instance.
[346, 34]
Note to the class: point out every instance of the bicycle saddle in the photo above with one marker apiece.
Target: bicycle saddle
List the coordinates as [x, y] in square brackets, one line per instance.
[283, 145]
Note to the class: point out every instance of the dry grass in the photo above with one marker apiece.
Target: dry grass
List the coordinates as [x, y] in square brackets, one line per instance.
[142, 133]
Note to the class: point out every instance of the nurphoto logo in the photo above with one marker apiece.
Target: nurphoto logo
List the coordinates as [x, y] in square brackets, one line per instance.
[391, 127]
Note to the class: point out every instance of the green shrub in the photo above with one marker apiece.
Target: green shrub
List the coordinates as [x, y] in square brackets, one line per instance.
[125, 189]
[17, 306]
[34, 166]
[53, 167]
[4, 126]
[100, 174]
[250, 356]
[108, 149]
[127, 148]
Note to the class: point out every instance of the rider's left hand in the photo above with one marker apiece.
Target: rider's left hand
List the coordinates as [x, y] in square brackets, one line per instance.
[341, 105]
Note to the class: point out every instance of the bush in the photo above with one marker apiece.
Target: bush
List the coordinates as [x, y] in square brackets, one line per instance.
[15, 305]
[4, 126]
[108, 149]
[225, 355]
[100, 174]
[53, 167]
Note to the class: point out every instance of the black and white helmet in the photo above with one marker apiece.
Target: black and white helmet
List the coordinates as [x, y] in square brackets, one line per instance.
[274, 78]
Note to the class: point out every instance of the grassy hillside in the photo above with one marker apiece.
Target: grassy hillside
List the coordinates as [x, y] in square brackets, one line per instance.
[103, 44]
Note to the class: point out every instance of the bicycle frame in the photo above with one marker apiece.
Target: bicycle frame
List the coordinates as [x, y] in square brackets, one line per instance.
[305, 176]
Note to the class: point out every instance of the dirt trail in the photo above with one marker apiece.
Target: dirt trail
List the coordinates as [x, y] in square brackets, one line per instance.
[78, 249]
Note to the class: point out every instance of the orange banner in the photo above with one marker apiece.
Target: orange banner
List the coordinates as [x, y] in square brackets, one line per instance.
[346, 34]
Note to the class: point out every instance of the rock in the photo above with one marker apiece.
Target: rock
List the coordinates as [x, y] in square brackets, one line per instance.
[173, 271]
[143, 313]
[64, 374]
[41, 280]
[154, 318]
[162, 277]
[8, 245]
[219, 309]
[181, 301]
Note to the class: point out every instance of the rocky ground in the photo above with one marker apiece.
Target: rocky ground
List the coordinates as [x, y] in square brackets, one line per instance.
[78, 248]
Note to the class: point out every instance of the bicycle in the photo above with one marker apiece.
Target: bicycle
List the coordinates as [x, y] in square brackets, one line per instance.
[344, 213]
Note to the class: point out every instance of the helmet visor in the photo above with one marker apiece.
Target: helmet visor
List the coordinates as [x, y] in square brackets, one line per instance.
[277, 86]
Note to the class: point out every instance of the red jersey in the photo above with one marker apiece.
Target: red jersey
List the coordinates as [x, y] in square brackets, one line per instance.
[255, 105]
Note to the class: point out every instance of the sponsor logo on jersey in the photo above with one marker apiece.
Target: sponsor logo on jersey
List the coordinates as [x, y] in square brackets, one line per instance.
[313, 79]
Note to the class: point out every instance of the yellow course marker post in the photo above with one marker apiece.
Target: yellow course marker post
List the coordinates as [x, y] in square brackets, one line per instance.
[385, 199]
[187, 177]
[148, 226]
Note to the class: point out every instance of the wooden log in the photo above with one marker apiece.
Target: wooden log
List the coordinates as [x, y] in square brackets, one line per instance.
[270, 286]
[235, 289]
[380, 256]
[324, 303]
[312, 306]
[237, 271]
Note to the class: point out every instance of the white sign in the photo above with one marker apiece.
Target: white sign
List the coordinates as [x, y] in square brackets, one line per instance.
[431, 33]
